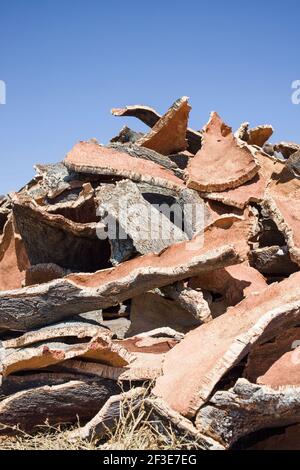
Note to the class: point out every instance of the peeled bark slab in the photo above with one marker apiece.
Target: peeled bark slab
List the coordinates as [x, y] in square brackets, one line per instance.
[168, 135]
[127, 135]
[272, 260]
[19, 383]
[147, 344]
[233, 283]
[36, 306]
[284, 372]
[150, 117]
[106, 420]
[53, 182]
[263, 356]
[76, 329]
[223, 162]
[44, 272]
[283, 206]
[195, 372]
[13, 258]
[151, 310]
[191, 300]
[286, 148]
[247, 408]
[149, 230]
[136, 151]
[293, 164]
[92, 158]
[251, 191]
[55, 405]
[100, 348]
[47, 238]
[255, 136]
[167, 422]
[145, 367]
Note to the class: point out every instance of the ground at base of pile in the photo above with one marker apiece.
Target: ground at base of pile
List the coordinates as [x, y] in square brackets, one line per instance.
[136, 436]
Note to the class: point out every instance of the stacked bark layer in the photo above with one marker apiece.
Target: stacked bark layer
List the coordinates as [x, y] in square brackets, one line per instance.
[169, 259]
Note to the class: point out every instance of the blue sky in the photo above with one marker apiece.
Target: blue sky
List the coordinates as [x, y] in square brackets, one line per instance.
[67, 62]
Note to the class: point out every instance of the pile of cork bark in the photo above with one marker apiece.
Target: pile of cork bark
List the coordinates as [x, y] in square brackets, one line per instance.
[200, 327]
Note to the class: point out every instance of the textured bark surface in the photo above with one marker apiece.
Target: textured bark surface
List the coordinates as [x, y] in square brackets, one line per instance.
[195, 372]
[149, 230]
[71, 329]
[293, 164]
[168, 421]
[47, 239]
[151, 310]
[106, 420]
[35, 306]
[13, 258]
[263, 356]
[251, 191]
[144, 153]
[284, 372]
[126, 136]
[286, 148]
[247, 408]
[55, 404]
[168, 135]
[256, 135]
[145, 367]
[89, 157]
[193, 301]
[284, 193]
[45, 353]
[272, 260]
[223, 162]
[150, 117]
[233, 284]
[44, 272]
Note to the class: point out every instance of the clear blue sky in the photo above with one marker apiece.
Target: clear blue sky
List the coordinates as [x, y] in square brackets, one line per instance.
[67, 62]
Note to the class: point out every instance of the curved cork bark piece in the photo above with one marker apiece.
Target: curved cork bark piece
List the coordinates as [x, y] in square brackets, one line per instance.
[152, 310]
[106, 420]
[168, 135]
[233, 283]
[92, 158]
[150, 117]
[36, 306]
[47, 238]
[13, 258]
[256, 135]
[262, 357]
[282, 204]
[286, 148]
[195, 370]
[145, 367]
[285, 372]
[77, 329]
[100, 348]
[147, 154]
[247, 408]
[56, 404]
[223, 162]
[251, 191]
[149, 229]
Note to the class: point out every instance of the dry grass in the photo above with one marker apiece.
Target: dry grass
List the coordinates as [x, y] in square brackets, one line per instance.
[133, 431]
